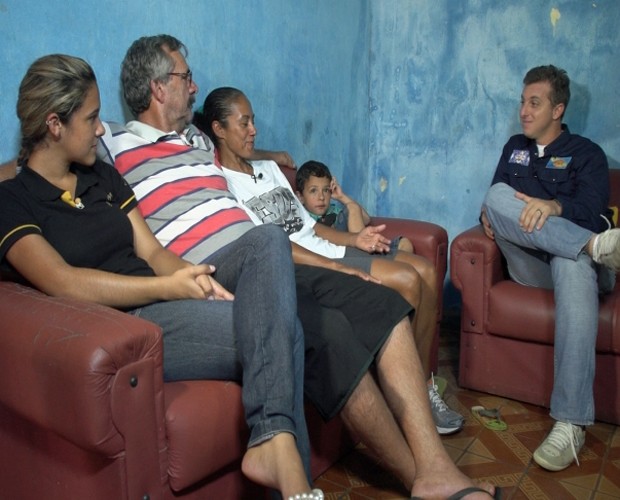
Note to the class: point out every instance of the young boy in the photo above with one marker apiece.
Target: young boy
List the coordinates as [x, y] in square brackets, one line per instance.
[315, 189]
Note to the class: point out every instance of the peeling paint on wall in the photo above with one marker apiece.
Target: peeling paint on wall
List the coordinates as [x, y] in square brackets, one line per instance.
[445, 89]
[555, 16]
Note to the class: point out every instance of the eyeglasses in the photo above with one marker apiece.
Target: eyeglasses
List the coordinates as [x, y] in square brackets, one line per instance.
[187, 76]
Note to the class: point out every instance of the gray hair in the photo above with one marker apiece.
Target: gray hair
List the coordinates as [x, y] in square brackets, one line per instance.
[147, 60]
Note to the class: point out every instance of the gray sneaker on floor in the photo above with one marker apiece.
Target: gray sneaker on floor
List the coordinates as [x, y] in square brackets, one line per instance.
[561, 447]
[446, 420]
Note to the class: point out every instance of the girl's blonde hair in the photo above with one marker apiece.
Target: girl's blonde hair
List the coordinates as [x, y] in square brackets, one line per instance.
[55, 83]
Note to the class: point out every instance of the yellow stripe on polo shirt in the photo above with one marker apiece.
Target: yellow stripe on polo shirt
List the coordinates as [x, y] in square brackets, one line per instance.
[133, 197]
[19, 228]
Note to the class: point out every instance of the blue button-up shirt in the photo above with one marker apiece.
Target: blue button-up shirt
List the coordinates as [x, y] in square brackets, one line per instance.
[573, 170]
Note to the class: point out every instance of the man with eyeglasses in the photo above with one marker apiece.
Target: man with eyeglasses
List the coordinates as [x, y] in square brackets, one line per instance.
[349, 323]
[187, 76]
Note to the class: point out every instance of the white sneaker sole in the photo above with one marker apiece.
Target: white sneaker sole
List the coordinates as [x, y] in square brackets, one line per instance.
[549, 466]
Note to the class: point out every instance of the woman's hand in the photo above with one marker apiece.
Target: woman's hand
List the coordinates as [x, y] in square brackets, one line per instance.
[196, 282]
[342, 268]
[212, 289]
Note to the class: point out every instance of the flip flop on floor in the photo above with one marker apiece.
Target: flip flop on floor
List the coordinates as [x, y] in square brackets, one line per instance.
[468, 491]
[490, 418]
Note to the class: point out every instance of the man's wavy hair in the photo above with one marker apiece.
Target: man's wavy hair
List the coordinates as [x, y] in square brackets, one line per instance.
[557, 78]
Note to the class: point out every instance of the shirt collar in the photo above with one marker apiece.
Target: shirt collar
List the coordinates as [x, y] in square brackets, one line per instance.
[192, 136]
[146, 131]
[44, 190]
[559, 142]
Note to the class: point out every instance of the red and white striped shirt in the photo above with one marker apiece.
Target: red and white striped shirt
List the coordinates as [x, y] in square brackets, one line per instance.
[182, 194]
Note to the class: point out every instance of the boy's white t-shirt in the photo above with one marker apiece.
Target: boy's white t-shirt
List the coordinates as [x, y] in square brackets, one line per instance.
[268, 199]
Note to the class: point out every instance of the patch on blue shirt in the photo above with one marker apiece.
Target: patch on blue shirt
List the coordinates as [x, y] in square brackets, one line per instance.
[559, 162]
[520, 157]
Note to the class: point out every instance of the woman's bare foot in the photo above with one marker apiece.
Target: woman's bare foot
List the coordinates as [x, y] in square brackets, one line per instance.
[443, 485]
[276, 464]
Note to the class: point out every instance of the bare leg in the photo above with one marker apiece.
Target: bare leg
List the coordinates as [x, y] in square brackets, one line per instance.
[276, 464]
[367, 415]
[436, 476]
[415, 279]
[426, 316]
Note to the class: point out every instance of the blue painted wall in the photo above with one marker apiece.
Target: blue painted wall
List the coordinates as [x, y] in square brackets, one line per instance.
[446, 79]
[409, 101]
[300, 63]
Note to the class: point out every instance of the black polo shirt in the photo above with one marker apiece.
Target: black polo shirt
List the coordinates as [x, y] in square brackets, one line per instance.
[95, 234]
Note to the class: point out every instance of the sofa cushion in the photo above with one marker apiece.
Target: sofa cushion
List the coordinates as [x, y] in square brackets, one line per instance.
[514, 308]
[205, 429]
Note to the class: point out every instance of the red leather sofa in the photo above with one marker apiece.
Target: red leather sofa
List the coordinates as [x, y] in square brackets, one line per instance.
[507, 329]
[84, 411]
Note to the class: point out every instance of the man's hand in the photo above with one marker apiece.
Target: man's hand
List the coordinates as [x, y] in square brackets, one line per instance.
[486, 225]
[371, 240]
[280, 157]
[536, 212]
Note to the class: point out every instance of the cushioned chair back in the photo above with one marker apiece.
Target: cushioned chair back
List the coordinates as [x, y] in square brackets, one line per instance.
[290, 175]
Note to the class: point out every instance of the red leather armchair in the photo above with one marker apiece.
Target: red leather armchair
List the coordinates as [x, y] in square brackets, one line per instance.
[507, 329]
[84, 411]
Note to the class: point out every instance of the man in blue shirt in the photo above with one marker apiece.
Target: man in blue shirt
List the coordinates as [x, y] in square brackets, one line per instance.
[547, 209]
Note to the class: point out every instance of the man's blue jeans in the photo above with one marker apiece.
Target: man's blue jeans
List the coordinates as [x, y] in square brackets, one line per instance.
[554, 258]
[255, 339]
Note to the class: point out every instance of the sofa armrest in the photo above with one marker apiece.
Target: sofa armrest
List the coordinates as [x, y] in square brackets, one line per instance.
[89, 373]
[476, 264]
[429, 240]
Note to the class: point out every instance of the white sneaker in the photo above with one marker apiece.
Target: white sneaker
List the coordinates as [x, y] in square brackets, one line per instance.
[561, 447]
[606, 249]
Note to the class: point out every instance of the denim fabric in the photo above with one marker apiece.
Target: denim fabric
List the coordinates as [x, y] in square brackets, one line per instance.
[255, 339]
[554, 258]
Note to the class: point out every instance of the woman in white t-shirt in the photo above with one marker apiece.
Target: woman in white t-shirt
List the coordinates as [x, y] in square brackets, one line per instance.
[264, 192]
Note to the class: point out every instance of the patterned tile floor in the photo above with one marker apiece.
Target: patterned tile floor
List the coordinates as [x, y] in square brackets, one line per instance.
[502, 458]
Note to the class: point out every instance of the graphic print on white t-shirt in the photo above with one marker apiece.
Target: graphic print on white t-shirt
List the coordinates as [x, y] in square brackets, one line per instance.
[279, 207]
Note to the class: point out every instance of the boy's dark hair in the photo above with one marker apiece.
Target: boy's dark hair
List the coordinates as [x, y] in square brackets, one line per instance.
[558, 80]
[309, 168]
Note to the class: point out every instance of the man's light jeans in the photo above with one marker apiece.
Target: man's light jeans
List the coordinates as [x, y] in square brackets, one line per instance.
[554, 258]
